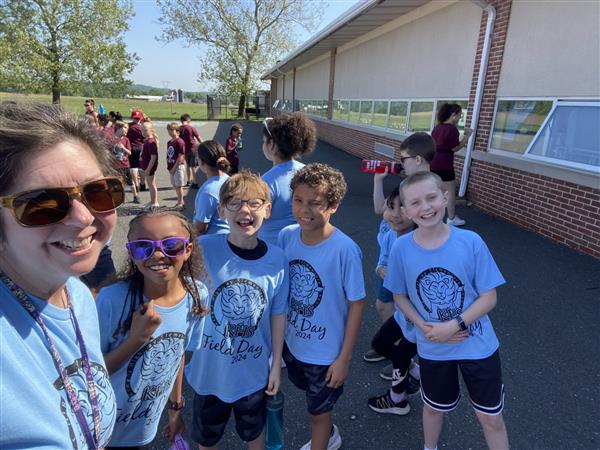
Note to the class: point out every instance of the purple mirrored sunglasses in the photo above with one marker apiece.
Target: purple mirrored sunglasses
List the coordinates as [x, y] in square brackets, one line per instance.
[142, 249]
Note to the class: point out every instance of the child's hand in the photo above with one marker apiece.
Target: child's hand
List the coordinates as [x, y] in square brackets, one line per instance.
[380, 271]
[274, 378]
[174, 427]
[381, 176]
[337, 373]
[144, 322]
[468, 132]
[440, 332]
[458, 336]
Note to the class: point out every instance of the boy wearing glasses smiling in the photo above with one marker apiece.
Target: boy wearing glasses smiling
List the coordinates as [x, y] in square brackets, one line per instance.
[248, 303]
[326, 298]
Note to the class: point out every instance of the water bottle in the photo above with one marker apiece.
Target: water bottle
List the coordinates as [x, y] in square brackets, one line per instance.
[240, 144]
[274, 427]
[375, 166]
[179, 443]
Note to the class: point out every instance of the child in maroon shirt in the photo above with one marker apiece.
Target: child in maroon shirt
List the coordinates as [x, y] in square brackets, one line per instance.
[192, 139]
[233, 145]
[149, 160]
[176, 161]
[136, 139]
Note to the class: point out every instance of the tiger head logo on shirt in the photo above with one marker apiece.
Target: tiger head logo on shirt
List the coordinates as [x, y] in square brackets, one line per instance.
[306, 289]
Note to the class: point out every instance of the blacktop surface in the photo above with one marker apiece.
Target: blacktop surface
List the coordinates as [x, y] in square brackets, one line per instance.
[546, 320]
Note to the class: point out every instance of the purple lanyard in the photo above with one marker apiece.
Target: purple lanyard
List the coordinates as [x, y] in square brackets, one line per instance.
[26, 302]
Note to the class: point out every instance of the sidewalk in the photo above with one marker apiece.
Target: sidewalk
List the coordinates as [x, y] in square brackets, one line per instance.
[545, 320]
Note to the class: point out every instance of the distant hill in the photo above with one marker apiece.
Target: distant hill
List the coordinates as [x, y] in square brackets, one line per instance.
[144, 89]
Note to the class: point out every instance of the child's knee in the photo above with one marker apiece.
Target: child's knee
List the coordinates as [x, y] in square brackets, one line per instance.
[491, 422]
[430, 412]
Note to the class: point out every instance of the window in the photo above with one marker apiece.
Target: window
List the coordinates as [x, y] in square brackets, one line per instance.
[398, 112]
[570, 135]
[517, 122]
[340, 109]
[420, 116]
[380, 113]
[354, 110]
[366, 110]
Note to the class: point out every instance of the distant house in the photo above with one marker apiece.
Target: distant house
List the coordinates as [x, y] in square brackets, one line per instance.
[380, 71]
[151, 98]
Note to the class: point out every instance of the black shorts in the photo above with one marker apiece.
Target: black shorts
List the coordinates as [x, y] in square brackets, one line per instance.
[446, 175]
[191, 160]
[211, 415]
[103, 272]
[440, 387]
[134, 158]
[311, 378]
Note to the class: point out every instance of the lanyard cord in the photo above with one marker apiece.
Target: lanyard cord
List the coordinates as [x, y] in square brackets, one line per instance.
[26, 302]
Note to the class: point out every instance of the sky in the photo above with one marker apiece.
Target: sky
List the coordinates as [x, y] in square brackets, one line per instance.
[175, 66]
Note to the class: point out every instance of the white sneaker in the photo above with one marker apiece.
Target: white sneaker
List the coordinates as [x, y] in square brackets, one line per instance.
[457, 221]
[335, 441]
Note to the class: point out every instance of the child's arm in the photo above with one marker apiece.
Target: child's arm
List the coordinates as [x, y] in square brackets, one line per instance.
[338, 371]
[175, 425]
[380, 271]
[277, 333]
[153, 159]
[378, 195]
[442, 331]
[143, 325]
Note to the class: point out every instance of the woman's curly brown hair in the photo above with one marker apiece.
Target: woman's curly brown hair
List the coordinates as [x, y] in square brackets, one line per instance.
[293, 134]
[193, 269]
[323, 178]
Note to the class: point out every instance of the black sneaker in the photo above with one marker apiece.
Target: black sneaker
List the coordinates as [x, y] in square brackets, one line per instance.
[387, 373]
[372, 356]
[143, 187]
[413, 386]
[194, 186]
[384, 404]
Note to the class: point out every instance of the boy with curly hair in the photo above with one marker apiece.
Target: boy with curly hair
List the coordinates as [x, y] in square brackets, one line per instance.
[326, 298]
[229, 370]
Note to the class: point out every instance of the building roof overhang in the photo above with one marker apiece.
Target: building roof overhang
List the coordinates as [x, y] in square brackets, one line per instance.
[357, 21]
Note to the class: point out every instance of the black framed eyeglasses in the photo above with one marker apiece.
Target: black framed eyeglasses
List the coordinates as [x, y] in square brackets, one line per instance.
[404, 158]
[254, 204]
[47, 206]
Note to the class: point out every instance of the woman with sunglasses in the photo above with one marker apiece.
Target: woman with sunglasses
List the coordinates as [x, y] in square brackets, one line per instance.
[285, 138]
[145, 325]
[58, 195]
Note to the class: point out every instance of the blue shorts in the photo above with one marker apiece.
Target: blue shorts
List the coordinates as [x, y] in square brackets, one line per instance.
[383, 295]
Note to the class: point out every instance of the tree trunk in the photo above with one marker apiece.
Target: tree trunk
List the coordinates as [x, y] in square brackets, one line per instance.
[242, 105]
[56, 88]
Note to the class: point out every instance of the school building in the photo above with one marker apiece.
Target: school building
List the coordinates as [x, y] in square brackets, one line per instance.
[526, 72]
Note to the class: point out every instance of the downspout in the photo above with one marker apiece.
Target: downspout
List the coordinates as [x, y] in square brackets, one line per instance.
[485, 54]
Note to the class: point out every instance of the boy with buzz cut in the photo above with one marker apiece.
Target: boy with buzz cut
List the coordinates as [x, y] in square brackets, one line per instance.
[444, 280]
[326, 298]
[249, 286]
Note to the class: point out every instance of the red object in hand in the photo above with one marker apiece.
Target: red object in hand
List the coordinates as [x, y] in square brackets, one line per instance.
[375, 166]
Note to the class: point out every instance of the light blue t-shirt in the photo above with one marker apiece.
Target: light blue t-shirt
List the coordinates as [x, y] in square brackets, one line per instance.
[323, 279]
[232, 360]
[207, 203]
[441, 284]
[143, 383]
[383, 229]
[387, 242]
[278, 179]
[35, 411]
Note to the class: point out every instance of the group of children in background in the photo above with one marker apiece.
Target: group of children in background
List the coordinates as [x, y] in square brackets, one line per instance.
[270, 276]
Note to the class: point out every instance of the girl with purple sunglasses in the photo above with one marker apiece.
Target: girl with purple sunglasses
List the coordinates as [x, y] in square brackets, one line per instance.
[146, 320]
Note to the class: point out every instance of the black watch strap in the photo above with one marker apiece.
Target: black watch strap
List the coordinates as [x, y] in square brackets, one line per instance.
[461, 323]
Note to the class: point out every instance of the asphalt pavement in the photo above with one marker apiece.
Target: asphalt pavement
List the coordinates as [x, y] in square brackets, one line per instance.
[545, 320]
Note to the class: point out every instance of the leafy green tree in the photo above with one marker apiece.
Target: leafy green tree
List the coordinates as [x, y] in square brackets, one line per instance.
[241, 39]
[62, 45]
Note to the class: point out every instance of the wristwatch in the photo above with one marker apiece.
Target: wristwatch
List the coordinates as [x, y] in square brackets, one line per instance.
[461, 323]
[176, 406]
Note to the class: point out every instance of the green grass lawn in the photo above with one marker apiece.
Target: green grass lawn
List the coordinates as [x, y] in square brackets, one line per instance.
[155, 110]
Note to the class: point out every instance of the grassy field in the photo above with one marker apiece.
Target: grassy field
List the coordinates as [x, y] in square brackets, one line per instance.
[155, 110]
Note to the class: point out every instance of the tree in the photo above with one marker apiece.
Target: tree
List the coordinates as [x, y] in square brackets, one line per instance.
[57, 45]
[242, 38]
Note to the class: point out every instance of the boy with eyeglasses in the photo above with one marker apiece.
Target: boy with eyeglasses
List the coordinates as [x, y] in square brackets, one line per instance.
[326, 298]
[249, 288]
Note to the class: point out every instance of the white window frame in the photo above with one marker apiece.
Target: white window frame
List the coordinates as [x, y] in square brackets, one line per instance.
[562, 162]
[555, 101]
